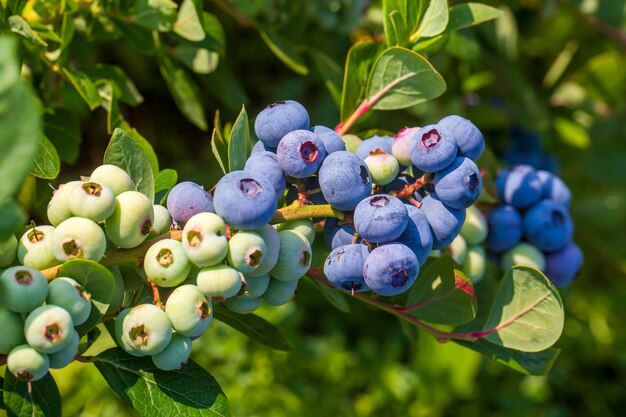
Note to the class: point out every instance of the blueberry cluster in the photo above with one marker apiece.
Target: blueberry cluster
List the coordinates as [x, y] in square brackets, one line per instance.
[37, 320]
[533, 226]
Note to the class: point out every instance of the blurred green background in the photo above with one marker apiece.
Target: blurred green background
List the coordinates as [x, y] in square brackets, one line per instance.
[554, 68]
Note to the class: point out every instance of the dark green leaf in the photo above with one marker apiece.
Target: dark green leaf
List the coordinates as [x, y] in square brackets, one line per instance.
[434, 21]
[163, 183]
[254, 327]
[239, 142]
[442, 295]
[110, 105]
[46, 162]
[527, 313]
[189, 391]
[470, 14]
[402, 78]
[183, 88]
[333, 296]
[218, 144]
[15, 6]
[125, 89]
[225, 87]
[197, 58]
[155, 14]
[12, 217]
[399, 20]
[45, 32]
[125, 153]
[84, 86]
[9, 65]
[530, 363]
[360, 60]
[330, 72]
[44, 399]
[20, 27]
[62, 128]
[97, 281]
[2, 407]
[215, 38]
[284, 50]
[67, 34]
[189, 24]
[137, 36]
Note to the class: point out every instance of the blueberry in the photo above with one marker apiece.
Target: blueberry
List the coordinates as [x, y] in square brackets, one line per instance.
[384, 143]
[272, 243]
[187, 199]
[266, 164]
[146, 329]
[280, 292]
[553, 188]
[204, 239]
[417, 236]
[433, 148]
[219, 281]
[459, 185]
[246, 251]
[78, 237]
[380, 218]
[131, 221]
[399, 183]
[563, 265]
[243, 305]
[548, 226]
[294, 258]
[390, 269]
[245, 200]
[337, 234]
[8, 251]
[27, 364]
[505, 228]
[59, 205]
[66, 355]
[474, 229]
[166, 264]
[467, 136]
[175, 354]
[22, 288]
[48, 328]
[523, 254]
[71, 296]
[344, 180]
[189, 311]
[445, 221]
[123, 342]
[278, 119]
[332, 141]
[382, 166]
[344, 267]
[92, 200]
[519, 187]
[254, 287]
[401, 148]
[475, 264]
[162, 219]
[304, 227]
[260, 147]
[12, 333]
[114, 177]
[300, 153]
[458, 250]
[35, 248]
[352, 142]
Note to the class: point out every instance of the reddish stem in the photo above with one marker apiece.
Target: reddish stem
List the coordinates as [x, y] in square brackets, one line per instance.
[156, 296]
[343, 127]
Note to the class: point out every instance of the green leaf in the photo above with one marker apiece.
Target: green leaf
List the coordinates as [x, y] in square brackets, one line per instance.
[84, 86]
[197, 58]
[527, 312]
[394, 23]
[330, 72]
[155, 14]
[62, 128]
[145, 147]
[21, 127]
[215, 40]
[239, 142]
[333, 296]
[188, 24]
[163, 183]
[97, 281]
[125, 153]
[138, 37]
[530, 363]
[284, 50]
[218, 144]
[125, 89]
[20, 27]
[572, 133]
[110, 105]
[43, 400]
[433, 22]
[360, 60]
[402, 78]
[46, 162]
[68, 29]
[9, 65]
[443, 294]
[470, 14]
[184, 90]
[189, 391]
[254, 327]
[12, 217]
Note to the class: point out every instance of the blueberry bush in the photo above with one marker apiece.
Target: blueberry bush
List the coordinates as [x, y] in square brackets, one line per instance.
[175, 172]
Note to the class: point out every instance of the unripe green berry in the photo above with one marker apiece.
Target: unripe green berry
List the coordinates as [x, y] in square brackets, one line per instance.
[254, 287]
[93, 201]
[27, 364]
[204, 239]
[382, 167]
[458, 250]
[78, 237]
[119, 335]
[71, 296]
[59, 205]
[272, 244]
[475, 264]
[243, 305]
[48, 328]
[294, 258]
[162, 219]
[35, 248]
[8, 251]
[523, 254]
[280, 292]
[189, 311]
[475, 228]
[147, 329]
[219, 281]
[114, 177]
[246, 251]
[12, 333]
[66, 355]
[175, 355]
[166, 264]
[131, 221]
[304, 226]
[22, 288]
